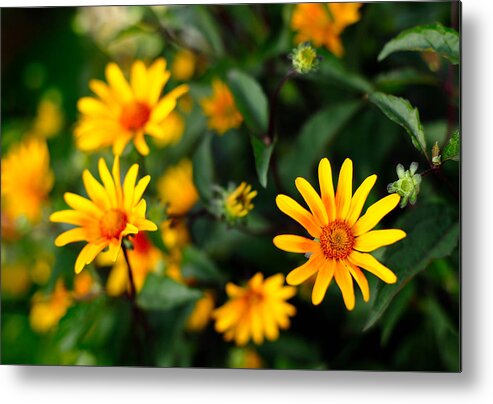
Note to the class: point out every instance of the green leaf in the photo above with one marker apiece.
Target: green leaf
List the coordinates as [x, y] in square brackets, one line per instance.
[432, 232]
[402, 112]
[396, 80]
[196, 264]
[311, 144]
[203, 168]
[250, 100]
[162, 293]
[262, 154]
[452, 150]
[435, 37]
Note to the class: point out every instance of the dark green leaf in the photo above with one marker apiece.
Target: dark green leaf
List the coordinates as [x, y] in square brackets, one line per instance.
[435, 37]
[250, 100]
[402, 112]
[432, 233]
[196, 264]
[162, 293]
[396, 80]
[262, 154]
[311, 144]
[203, 168]
[452, 150]
[395, 312]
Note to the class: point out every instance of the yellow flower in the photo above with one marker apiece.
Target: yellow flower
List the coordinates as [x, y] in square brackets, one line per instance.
[83, 285]
[201, 313]
[46, 311]
[221, 109]
[112, 212]
[341, 239]
[323, 23]
[183, 66]
[176, 188]
[143, 258]
[239, 202]
[15, 280]
[127, 111]
[259, 309]
[175, 237]
[49, 119]
[26, 179]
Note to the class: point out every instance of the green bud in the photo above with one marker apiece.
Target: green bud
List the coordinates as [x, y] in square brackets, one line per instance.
[407, 186]
[304, 58]
[436, 158]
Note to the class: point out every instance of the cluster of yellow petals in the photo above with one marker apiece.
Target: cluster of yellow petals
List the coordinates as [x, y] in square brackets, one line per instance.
[323, 23]
[112, 212]
[202, 312]
[239, 202]
[256, 311]
[125, 111]
[341, 239]
[26, 179]
[220, 108]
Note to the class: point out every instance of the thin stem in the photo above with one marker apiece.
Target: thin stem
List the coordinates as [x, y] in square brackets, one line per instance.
[133, 291]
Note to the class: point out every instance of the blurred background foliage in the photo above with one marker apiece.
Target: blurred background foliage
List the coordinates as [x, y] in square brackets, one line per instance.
[48, 57]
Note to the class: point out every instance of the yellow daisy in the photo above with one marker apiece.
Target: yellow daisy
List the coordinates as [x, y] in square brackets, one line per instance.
[323, 23]
[176, 188]
[221, 109]
[26, 180]
[125, 111]
[239, 202]
[112, 212]
[259, 309]
[341, 239]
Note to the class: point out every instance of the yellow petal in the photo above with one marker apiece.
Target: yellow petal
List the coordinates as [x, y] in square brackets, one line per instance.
[296, 244]
[140, 188]
[294, 210]
[140, 143]
[87, 254]
[69, 216]
[360, 280]
[129, 186]
[167, 103]
[371, 264]
[130, 229]
[138, 80]
[116, 178]
[118, 83]
[147, 225]
[114, 249]
[95, 190]
[103, 91]
[270, 325]
[107, 179]
[344, 189]
[82, 204]
[345, 283]
[257, 328]
[327, 188]
[359, 199]
[372, 240]
[322, 282]
[299, 275]
[157, 77]
[375, 213]
[71, 236]
[93, 107]
[313, 200]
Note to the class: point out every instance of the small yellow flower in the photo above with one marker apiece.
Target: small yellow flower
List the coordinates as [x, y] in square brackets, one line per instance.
[175, 237]
[15, 280]
[176, 188]
[123, 111]
[323, 23]
[221, 109]
[201, 313]
[83, 285]
[26, 179]
[183, 66]
[144, 258]
[46, 311]
[239, 202]
[259, 309]
[341, 239]
[112, 212]
[49, 119]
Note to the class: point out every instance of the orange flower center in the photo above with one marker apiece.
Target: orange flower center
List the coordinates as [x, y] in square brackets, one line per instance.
[253, 297]
[336, 240]
[135, 116]
[113, 223]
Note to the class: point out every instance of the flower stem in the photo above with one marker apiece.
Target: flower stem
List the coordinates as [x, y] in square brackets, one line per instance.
[133, 291]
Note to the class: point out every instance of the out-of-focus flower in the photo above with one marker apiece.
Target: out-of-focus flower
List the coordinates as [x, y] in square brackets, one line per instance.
[173, 128]
[255, 311]
[323, 23]
[49, 118]
[41, 269]
[176, 188]
[183, 67]
[15, 280]
[341, 239]
[26, 179]
[201, 314]
[245, 358]
[144, 258]
[84, 285]
[304, 58]
[123, 111]
[112, 212]
[233, 203]
[175, 237]
[220, 108]
[407, 186]
[46, 311]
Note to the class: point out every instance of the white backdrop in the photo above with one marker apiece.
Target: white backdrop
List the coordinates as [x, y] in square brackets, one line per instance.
[117, 385]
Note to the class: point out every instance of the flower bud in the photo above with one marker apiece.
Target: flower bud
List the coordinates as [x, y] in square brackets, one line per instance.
[407, 186]
[304, 58]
